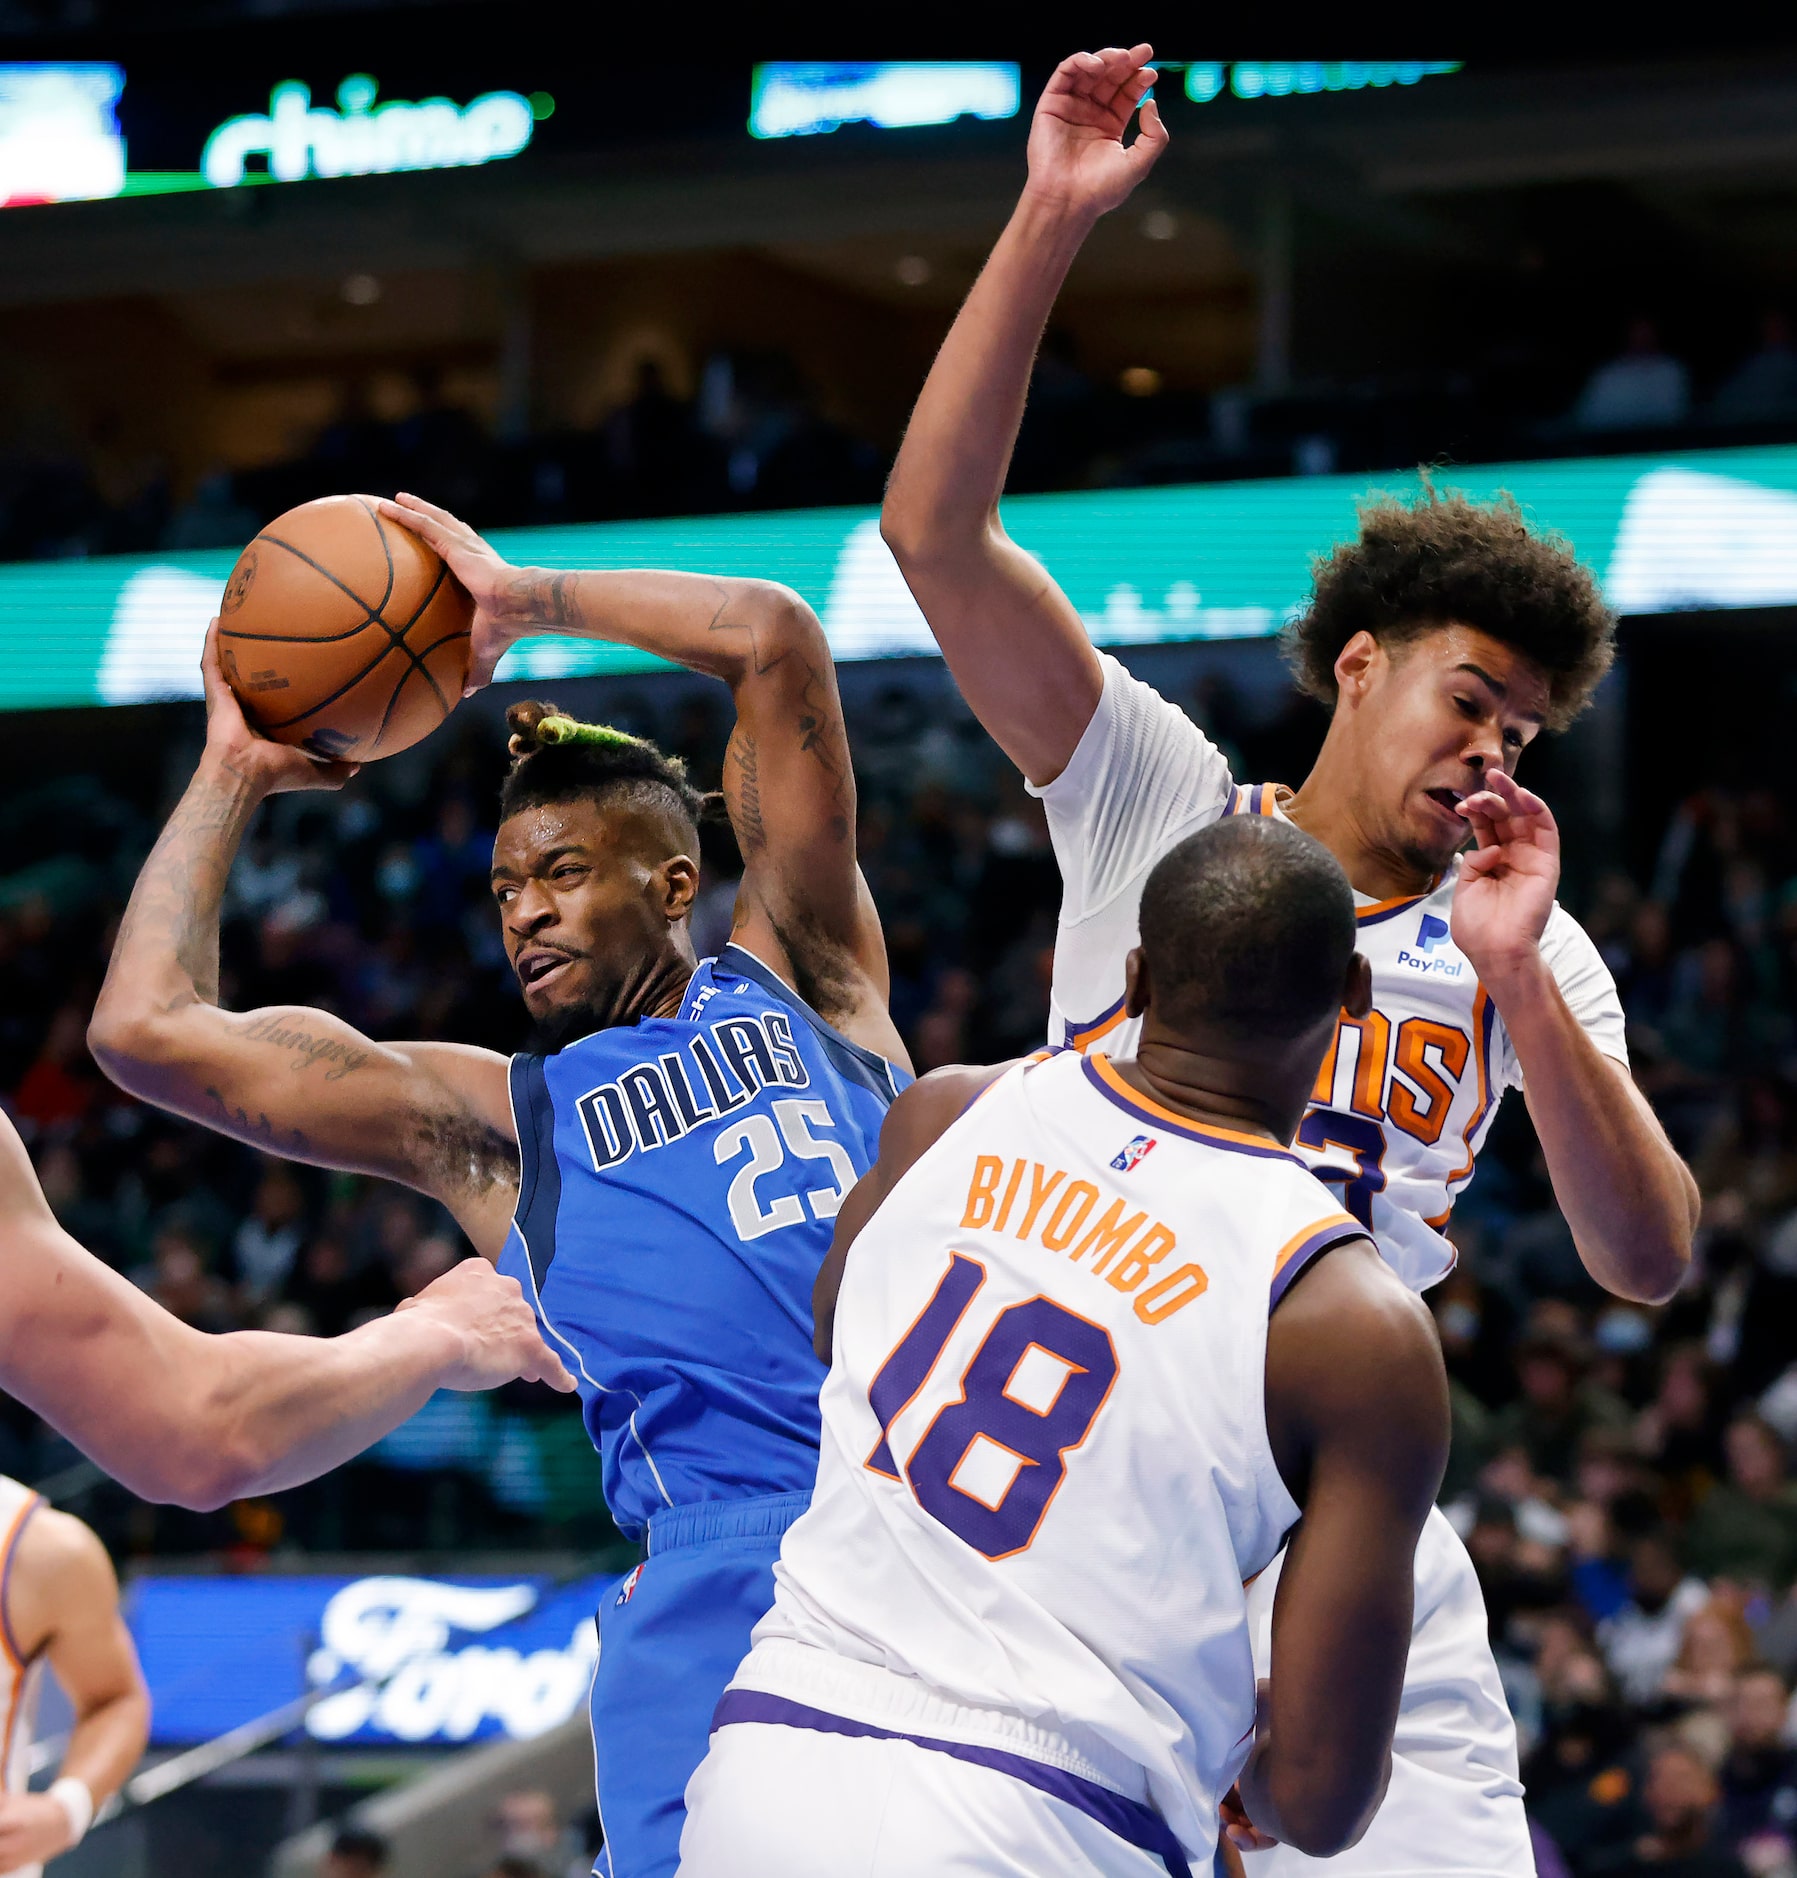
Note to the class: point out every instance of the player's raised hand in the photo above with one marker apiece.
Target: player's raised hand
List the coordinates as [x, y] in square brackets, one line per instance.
[498, 1329]
[274, 768]
[1507, 883]
[474, 562]
[1078, 160]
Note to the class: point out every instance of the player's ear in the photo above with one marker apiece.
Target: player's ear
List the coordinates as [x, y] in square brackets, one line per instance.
[1135, 984]
[1354, 664]
[677, 881]
[1357, 987]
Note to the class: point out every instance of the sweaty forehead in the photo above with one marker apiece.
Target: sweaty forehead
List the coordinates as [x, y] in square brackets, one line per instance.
[526, 837]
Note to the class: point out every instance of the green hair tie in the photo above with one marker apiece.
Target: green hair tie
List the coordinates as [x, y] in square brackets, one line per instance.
[558, 729]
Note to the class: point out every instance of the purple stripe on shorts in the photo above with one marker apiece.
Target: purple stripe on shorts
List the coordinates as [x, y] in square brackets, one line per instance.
[1132, 1822]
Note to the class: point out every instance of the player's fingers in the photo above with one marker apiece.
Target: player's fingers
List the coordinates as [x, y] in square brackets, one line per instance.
[551, 1369]
[405, 503]
[1077, 73]
[1151, 137]
[431, 531]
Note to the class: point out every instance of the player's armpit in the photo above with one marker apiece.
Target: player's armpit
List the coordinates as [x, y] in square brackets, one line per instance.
[304, 1084]
[913, 1125]
[1357, 1410]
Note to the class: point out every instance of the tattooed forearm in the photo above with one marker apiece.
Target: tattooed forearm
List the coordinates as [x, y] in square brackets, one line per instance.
[172, 916]
[257, 1129]
[823, 738]
[742, 791]
[308, 1049]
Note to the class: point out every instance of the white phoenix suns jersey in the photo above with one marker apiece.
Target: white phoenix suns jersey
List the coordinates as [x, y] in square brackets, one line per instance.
[1407, 1094]
[1045, 1471]
[20, 1676]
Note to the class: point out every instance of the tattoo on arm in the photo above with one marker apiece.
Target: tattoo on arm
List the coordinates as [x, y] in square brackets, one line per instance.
[257, 1128]
[174, 907]
[308, 1050]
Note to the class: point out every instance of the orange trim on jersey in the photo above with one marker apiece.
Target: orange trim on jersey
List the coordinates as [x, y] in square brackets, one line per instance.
[1128, 1092]
[1483, 1026]
[1296, 1241]
[6, 1545]
[1440, 1220]
[1101, 1026]
[20, 1668]
[1380, 908]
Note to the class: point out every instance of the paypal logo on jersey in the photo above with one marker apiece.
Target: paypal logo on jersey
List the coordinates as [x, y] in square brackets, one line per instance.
[1431, 932]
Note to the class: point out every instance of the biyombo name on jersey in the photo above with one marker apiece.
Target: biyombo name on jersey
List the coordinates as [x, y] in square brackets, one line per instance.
[720, 1069]
[1432, 932]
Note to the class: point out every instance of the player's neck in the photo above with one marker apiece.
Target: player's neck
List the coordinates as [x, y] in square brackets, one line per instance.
[1331, 806]
[1223, 1091]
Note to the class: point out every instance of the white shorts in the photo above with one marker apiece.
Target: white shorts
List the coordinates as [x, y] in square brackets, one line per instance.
[1455, 1803]
[777, 1802]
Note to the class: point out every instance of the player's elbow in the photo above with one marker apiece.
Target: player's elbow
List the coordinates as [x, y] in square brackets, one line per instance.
[189, 1470]
[789, 641]
[127, 1037]
[1324, 1808]
[923, 535]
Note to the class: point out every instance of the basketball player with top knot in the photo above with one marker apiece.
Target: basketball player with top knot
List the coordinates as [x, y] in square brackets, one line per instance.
[662, 1173]
[1445, 638]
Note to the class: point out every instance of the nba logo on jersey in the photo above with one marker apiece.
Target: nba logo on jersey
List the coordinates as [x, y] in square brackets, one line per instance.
[627, 1590]
[1133, 1153]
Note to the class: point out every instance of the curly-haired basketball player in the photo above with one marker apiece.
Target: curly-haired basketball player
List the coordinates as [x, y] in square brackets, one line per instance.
[1446, 637]
[663, 1176]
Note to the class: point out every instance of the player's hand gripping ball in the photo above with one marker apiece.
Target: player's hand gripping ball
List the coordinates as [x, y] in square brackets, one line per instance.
[342, 633]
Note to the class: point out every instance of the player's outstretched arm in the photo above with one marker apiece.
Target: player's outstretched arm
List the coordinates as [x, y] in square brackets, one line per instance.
[302, 1083]
[1017, 648]
[62, 1602]
[804, 907]
[914, 1123]
[1357, 1408]
[201, 1420]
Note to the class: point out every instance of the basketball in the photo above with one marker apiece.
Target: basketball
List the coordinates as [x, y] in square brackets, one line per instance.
[343, 633]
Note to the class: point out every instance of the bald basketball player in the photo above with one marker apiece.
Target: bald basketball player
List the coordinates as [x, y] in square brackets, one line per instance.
[59, 1607]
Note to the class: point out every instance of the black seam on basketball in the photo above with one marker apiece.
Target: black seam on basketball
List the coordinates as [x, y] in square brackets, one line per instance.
[380, 533]
[367, 671]
[393, 704]
[324, 573]
[417, 658]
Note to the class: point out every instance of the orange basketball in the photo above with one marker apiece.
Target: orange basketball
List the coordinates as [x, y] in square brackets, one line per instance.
[343, 633]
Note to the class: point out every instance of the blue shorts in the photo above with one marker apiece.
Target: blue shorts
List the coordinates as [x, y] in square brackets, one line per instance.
[670, 1639]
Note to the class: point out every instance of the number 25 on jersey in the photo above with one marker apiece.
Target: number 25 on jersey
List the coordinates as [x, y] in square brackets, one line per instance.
[990, 1462]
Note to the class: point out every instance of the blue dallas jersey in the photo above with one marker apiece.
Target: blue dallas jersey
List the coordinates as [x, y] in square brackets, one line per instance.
[680, 1181]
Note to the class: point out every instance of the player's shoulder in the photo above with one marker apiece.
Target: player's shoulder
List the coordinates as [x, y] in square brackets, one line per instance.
[58, 1570]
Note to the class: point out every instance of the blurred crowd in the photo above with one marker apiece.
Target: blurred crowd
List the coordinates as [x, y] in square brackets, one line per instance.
[1622, 1474]
[755, 435]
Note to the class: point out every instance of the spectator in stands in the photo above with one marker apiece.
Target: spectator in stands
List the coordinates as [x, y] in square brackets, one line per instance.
[1642, 1639]
[266, 1244]
[1716, 1648]
[1643, 386]
[1746, 1528]
[356, 1853]
[1763, 385]
[1680, 1797]
[1557, 1403]
[1759, 1775]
